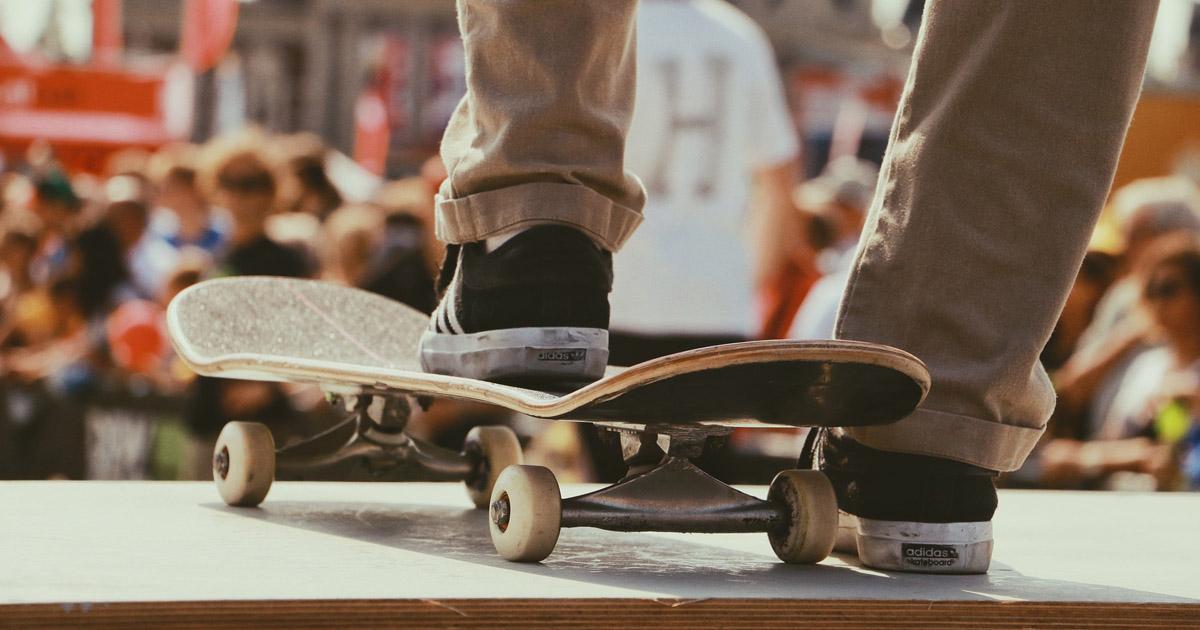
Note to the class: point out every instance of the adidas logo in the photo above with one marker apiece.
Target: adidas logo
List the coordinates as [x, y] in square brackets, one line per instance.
[562, 356]
[919, 555]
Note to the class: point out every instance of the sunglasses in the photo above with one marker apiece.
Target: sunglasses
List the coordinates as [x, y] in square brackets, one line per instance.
[1164, 289]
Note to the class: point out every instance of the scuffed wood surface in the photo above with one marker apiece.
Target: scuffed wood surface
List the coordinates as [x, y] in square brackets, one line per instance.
[414, 554]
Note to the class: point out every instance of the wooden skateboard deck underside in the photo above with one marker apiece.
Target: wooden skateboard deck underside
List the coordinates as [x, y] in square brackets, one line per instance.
[347, 339]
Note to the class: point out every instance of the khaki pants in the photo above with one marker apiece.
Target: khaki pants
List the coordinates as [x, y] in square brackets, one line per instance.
[1000, 158]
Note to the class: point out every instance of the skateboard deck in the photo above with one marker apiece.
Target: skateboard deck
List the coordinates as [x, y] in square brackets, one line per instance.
[350, 341]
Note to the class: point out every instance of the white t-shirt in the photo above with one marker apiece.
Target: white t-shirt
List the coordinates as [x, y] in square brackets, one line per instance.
[710, 112]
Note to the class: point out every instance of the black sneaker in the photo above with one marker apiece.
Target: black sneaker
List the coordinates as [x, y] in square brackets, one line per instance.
[906, 512]
[535, 310]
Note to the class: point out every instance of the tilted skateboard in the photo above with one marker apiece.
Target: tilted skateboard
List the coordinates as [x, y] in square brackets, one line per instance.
[362, 350]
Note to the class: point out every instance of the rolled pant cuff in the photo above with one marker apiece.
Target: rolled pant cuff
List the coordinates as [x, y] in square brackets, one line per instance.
[991, 445]
[478, 216]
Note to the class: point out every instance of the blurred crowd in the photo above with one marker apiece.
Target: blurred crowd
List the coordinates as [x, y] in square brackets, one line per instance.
[1125, 355]
[90, 387]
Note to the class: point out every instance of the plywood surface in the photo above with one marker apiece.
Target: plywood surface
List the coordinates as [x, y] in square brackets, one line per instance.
[122, 547]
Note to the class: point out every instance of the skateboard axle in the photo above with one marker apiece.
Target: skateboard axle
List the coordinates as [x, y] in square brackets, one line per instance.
[500, 511]
[221, 462]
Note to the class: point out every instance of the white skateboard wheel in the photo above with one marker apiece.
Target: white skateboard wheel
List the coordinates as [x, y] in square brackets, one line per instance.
[244, 463]
[525, 514]
[497, 448]
[812, 516]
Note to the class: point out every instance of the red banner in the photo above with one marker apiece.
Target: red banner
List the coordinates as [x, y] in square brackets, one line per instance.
[85, 113]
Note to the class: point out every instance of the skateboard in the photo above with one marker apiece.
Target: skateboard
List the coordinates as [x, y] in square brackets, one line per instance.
[361, 349]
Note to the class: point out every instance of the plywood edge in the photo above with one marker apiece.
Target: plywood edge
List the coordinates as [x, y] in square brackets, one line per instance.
[759, 614]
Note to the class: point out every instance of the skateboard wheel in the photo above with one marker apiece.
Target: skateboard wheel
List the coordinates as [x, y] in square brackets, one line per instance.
[812, 516]
[497, 448]
[244, 463]
[525, 514]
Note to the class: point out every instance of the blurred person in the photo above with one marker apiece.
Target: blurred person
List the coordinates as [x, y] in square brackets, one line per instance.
[237, 174]
[839, 199]
[1161, 386]
[103, 256]
[240, 178]
[1145, 211]
[712, 139]
[56, 205]
[409, 202]
[352, 236]
[299, 232]
[971, 245]
[1171, 298]
[1096, 275]
[380, 253]
[41, 430]
[18, 249]
[183, 216]
[305, 185]
[130, 216]
[25, 319]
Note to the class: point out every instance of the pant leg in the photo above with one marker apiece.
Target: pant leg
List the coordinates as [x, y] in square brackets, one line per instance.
[540, 135]
[1001, 156]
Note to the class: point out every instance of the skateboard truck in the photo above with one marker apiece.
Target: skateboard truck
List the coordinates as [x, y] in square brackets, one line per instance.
[379, 443]
[245, 459]
[672, 495]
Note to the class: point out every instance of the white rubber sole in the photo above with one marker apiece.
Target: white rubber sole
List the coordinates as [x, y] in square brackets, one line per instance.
[563, 353]
[924, 547]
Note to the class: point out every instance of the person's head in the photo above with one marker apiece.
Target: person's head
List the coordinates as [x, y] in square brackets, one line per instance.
[1151, 208]
[128, 209]
[55, 201]
[306, 186]
[238, 175]
[17, 251]
[351, 237]
[1171, 289]
[173, 171]
[840, 196]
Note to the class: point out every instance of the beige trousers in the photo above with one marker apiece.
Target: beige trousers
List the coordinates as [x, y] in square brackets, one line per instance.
[1001, 155]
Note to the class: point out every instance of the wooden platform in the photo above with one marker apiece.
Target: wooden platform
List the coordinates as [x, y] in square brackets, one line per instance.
[414, 555]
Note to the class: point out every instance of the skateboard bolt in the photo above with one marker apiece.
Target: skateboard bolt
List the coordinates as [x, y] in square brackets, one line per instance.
[500, 512]
[221, 462]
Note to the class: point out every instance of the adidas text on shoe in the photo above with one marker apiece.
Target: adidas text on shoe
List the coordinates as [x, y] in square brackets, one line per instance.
[904, 512]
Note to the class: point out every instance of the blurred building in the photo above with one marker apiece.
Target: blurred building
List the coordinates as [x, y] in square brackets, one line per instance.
[307, 64]
[378, 78]
[302, 64]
